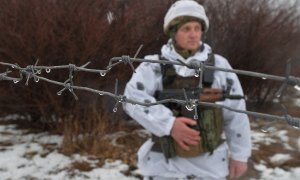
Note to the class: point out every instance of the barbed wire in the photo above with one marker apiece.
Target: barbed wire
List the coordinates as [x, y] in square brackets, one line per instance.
[35, 71]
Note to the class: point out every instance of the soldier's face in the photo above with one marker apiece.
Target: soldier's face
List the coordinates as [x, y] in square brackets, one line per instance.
[189, 35]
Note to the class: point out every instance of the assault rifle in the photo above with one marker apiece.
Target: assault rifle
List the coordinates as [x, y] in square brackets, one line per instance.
[204, 94]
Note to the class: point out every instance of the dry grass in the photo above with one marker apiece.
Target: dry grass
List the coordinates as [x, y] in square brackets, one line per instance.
[90, 138]
[81, 166]
[5, 143]
[30, 154]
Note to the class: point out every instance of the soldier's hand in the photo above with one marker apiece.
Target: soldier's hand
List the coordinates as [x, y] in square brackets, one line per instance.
[183, 134]
[237, 169]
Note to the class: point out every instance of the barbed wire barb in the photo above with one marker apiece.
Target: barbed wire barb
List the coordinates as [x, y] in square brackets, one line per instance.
[290, 120]
[287, 76]
[86, 64]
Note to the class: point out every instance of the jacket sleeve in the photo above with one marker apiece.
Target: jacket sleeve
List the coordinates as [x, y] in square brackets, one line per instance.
[236, 125]
[158, 119]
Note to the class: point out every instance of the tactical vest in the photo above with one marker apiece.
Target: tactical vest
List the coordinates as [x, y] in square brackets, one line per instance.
[209, 122]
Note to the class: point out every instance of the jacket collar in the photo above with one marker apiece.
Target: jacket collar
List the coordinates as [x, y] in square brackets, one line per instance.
[168, 51]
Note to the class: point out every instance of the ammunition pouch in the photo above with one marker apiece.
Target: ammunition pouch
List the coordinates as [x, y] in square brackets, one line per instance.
[210, 125]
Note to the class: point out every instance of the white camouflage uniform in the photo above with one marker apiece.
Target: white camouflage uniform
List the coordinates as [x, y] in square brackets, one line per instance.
[159, 120]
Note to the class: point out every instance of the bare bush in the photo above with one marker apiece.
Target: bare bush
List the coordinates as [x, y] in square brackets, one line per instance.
[256, 36]
[71, 31]
[74, 31]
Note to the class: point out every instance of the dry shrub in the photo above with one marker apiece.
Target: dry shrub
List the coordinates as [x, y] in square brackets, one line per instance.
[86, 134]
[89, 137]
[72, 31]
[256, 36]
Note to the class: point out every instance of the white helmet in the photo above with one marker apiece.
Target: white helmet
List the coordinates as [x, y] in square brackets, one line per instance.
[185, 8]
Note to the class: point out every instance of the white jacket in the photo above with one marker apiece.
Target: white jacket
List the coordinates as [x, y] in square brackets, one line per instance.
[159, 119]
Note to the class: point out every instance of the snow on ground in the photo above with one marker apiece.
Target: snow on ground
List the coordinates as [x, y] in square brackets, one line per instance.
[278, 173]
[280, 160]
[36, 156]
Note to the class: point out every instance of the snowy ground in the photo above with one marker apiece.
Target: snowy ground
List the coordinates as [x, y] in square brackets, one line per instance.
[276, 152]
[30, 156]
[36, 156]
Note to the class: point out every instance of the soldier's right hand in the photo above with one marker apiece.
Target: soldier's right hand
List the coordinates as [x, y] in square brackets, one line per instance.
[183, 134]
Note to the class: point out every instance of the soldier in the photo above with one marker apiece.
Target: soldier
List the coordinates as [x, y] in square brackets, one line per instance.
[183, 146]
